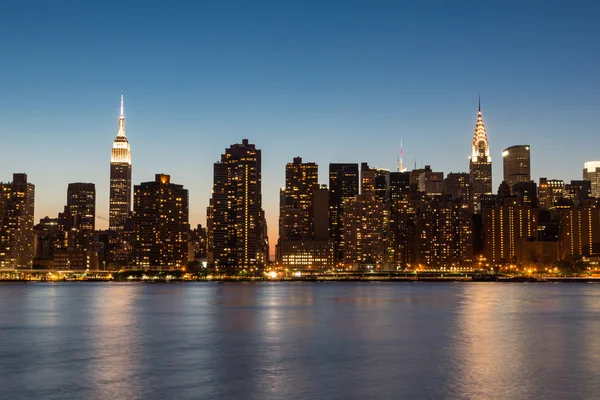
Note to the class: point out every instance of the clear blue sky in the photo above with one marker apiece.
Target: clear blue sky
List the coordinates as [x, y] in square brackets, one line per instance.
[331, 81]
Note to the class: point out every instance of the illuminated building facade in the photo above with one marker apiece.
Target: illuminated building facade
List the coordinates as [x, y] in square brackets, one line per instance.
[343, 186]
[81, 205]
[504, 225]
[431, 183]
[161, 228]
[458, 186]
[300, 180]
[236, 225]
[303, 230]
[517, 165]
[550, 192]
[591, 172]
[120, 178]
[443, 231]
[374, 181]
[399, 185]
[580, 231]
[17, 236]
[364, 221]
[480, 164]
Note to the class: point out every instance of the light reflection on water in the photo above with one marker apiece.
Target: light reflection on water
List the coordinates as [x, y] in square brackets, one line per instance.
[299, 341]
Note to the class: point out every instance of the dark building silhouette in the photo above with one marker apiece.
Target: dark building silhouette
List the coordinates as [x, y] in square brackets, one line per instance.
[160, 224]
[517, 164]
[343, 185]
[81, 205]
[17, 236]
[237, 229]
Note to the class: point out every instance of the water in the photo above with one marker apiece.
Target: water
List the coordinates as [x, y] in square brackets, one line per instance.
[299, 341]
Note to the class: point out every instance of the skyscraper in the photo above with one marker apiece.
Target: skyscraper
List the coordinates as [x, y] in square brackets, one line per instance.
[517, 165]
[343, 186]
[81, 205]
[160, 224]
[300, 180]
[16, 223]
[591, 172]
[580, 231]
[120, 177]
[504, 226]
[365, 225]
[236, 226]
[480, 164]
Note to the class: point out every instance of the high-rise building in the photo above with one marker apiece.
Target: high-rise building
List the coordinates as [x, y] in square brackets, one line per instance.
[160, 224]
[550, 191]
[431, 183]
[399, 185]
[580, 231]
[81, 205]
[591, 172]
[480, 164]
[364, 222]
[17, 236]
[236, 225]
[443, 232]
[457, 185]
[526, 192]
[517, 164]
[343, 186]
[303, 233]
[300, 180]
[375, 181]
[504, 225]
[578, 192]
[120, 178]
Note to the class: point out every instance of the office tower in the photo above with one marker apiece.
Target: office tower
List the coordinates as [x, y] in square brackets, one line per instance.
[431, 183]
[17, 236]
[480, 164]
[526, 192]
[48, 237]
[578, 192]
[414, 178]
[517, 165]
[160, 224]
[591, 172]
[304, 220]
[237, 226]
[399, 185]
[504, 225]
[300, 180]
[120, 178]
[374, 181]
[457, 185]
[343, 186]
[364, 221]
[81, 205]
[443, 232]
[550, 191]
[580, 231]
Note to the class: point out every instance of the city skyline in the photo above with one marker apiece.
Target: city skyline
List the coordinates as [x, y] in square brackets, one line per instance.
[273, 230]
[329, 83]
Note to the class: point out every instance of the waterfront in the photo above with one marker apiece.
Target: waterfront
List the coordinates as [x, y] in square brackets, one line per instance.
[299, 341]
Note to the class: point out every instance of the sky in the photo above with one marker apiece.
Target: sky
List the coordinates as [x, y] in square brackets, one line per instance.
[330, 81]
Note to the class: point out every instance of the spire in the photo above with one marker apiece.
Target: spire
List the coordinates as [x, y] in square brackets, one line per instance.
[480, 146]
[121, 120]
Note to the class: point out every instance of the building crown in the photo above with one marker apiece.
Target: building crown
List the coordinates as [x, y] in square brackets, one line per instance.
[480, 150]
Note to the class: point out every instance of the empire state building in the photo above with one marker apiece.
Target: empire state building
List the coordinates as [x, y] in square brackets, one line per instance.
[120, 177]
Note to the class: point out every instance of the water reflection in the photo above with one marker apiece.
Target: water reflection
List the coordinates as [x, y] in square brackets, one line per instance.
[299, 341]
